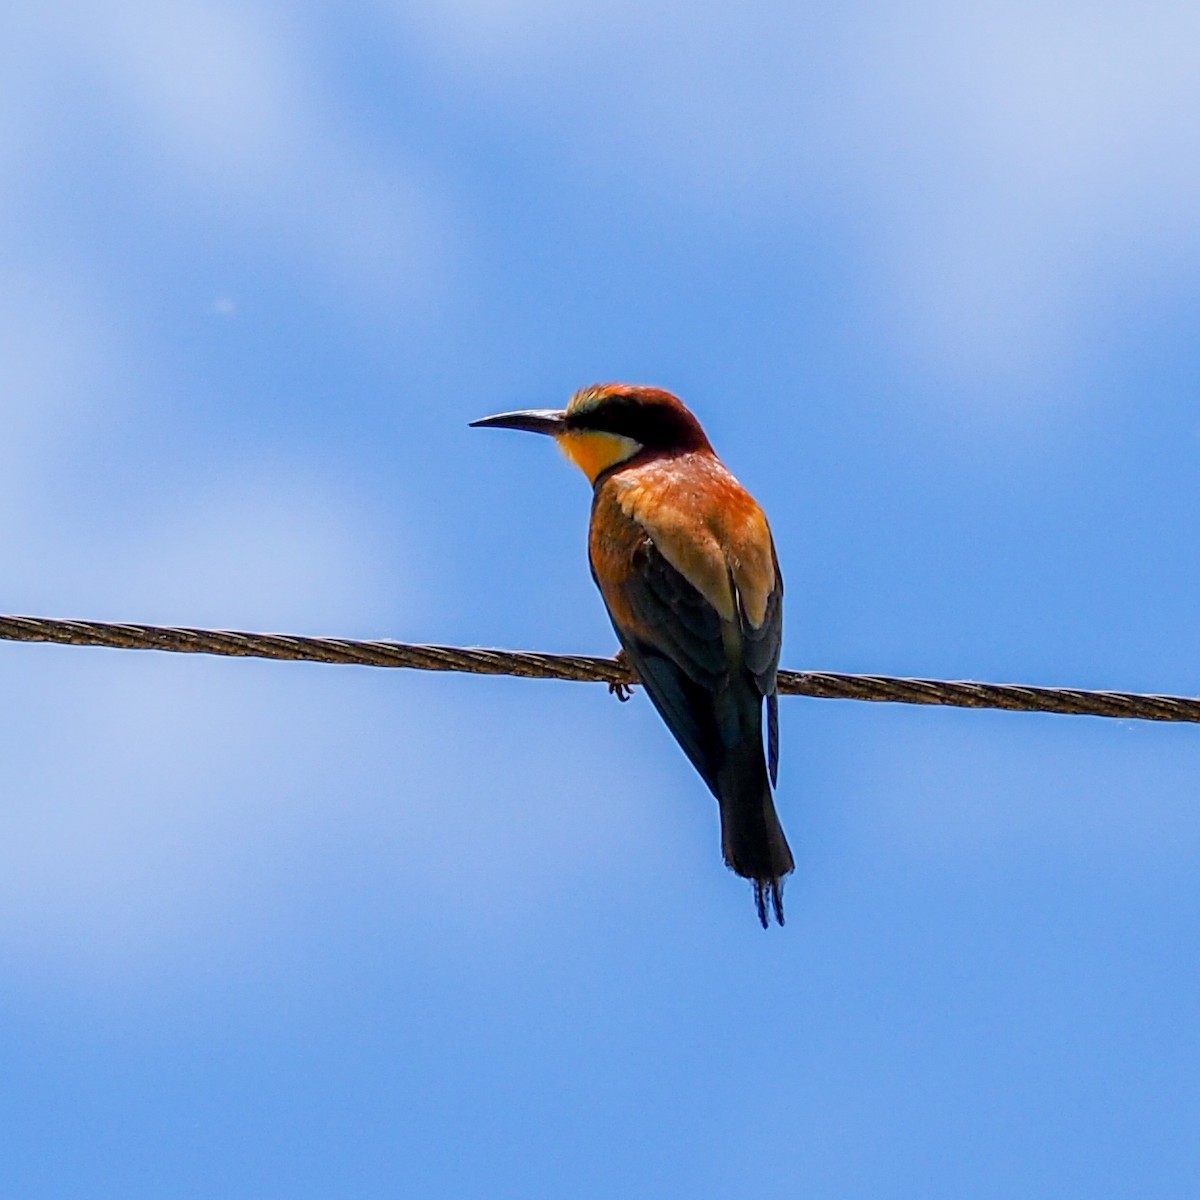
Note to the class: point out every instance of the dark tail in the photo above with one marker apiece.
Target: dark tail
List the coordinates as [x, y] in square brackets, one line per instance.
[751, 836]
[720, 729]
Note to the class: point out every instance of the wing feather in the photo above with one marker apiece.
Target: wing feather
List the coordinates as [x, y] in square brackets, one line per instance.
[679, 646]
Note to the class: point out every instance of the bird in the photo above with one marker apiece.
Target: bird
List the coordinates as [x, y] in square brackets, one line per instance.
[687, 569]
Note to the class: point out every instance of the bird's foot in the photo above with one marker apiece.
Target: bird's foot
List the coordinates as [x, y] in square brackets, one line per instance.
[622, 691]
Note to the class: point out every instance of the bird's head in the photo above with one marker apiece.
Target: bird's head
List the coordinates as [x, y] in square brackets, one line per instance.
[607, 424]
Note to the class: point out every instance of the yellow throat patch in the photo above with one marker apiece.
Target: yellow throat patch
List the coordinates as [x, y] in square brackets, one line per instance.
[593, 453]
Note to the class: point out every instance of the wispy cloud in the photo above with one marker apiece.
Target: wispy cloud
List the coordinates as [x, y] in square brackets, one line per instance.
[164, 814]
[218, 109]
[1006, 170]
[65, 366]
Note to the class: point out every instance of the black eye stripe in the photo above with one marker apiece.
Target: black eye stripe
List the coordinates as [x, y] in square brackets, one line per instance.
[655, 426]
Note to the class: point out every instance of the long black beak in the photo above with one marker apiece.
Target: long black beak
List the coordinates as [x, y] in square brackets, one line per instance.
[533, 420]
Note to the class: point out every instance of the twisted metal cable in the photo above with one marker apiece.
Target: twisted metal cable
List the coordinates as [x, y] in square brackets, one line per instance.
[587, 669]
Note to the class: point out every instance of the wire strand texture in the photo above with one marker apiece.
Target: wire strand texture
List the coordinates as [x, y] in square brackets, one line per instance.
[828, 685]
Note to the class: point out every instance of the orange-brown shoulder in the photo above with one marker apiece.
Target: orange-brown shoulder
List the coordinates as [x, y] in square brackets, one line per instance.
[703, 522]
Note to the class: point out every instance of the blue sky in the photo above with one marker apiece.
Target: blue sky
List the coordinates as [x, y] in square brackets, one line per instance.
[929, 277]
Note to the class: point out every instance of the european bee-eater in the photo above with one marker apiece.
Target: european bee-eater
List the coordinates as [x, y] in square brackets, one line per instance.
[684, 560]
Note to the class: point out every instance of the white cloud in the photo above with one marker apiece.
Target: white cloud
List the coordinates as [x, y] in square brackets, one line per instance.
[65, 366]
[506, 38]
[1008, 169]
[163, 810]
[219, 108]
[254, 547]
[258, 543]
[153, 807]
[165, 816]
